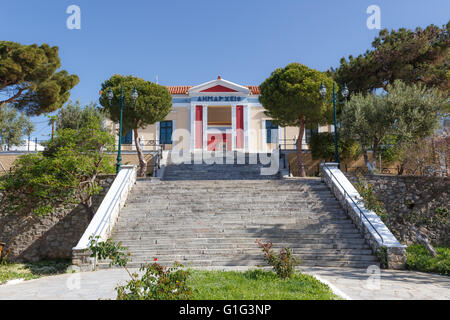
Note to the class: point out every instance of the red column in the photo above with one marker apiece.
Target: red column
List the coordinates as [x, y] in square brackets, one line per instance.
[239, 127]
[199, 127]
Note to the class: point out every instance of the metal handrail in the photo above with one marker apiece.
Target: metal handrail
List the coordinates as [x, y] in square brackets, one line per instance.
[361, 214]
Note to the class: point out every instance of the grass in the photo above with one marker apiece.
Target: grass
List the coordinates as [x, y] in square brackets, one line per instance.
[256, 285]
[419, 259]
[32, 270]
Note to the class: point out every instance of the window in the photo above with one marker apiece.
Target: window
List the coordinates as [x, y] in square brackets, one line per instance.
[271, 132]
[128, 138]
[309, 133]
[165, 132]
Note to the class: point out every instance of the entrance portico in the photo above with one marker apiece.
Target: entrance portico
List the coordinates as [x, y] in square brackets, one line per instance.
[219, 116]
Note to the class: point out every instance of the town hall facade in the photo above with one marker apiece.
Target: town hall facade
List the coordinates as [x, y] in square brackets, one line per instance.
[219, 114]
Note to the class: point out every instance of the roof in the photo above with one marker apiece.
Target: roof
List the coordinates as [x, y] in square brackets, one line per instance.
[184, 89]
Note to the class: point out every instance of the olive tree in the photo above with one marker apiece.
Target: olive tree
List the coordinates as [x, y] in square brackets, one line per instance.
[406, 112]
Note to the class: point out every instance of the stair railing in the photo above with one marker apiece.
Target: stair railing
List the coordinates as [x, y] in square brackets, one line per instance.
[346, 194]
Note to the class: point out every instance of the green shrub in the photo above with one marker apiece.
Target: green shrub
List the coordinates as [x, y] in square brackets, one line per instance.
[283, 263]
[322, 147]
[65, 174]
[418, 258]
[382, 256]
[157, 283]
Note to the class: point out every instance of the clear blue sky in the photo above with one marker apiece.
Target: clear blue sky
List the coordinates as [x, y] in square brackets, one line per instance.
[190, 42]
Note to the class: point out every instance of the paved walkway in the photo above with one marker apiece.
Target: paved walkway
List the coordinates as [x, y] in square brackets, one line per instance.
[349, 283]
[376, 284]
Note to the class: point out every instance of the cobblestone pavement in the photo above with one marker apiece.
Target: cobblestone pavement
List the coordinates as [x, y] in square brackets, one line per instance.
[348, 283]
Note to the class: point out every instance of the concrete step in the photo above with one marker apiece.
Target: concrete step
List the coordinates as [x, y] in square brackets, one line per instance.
[216, 221]
[251, 263]
[136, 257]
[152, 252]
[243, 238]
[180, 245]
[225, 232]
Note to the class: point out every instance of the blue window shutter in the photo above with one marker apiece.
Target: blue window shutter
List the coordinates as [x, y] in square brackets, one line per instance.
[269, 127]
[128, 138]
[165, 132]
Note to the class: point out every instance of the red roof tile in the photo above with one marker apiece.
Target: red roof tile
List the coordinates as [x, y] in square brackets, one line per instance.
[184, 89]
[178, 89]
[254, 89]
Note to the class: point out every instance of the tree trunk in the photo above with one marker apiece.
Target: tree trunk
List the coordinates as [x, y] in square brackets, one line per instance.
[366, 160]
[88, 205]
[423, 239]
[401, 169]
[142, 163]
[300, 163]
[374, 156]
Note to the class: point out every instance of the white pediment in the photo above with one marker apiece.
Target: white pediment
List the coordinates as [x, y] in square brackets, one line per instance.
[219, 87]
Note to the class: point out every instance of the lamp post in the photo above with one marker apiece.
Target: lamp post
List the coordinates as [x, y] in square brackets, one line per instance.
[110, 96]
[345, 93]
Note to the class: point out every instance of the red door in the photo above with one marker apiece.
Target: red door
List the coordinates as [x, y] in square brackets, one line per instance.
[216, 142]
[239, 127]
[199, 127]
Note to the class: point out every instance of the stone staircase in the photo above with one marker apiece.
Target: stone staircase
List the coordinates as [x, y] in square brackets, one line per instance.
[211, 215]
[226, 170]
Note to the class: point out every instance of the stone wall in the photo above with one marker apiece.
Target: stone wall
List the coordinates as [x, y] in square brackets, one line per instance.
[409, 199]
[30, 238]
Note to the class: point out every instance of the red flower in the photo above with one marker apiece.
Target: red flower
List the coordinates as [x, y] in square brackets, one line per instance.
[156, 259]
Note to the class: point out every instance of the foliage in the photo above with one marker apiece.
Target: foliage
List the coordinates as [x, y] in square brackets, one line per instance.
[439, 216]
[382, 256]
[13, 126]
[256, 284]
[108, 250]
[157, 282]
[283, 263]
[291, 97]
[153, 104]
[32, 270]
[64, 174]
[73, 116]
[322, 147]
[388, 150]
[419, 56]
[408, 112]
[424, 156]
[418, 258]
[29, 78]
[369, 198]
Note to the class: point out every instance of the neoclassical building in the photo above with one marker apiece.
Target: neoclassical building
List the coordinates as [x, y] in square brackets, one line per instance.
[218, 114]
